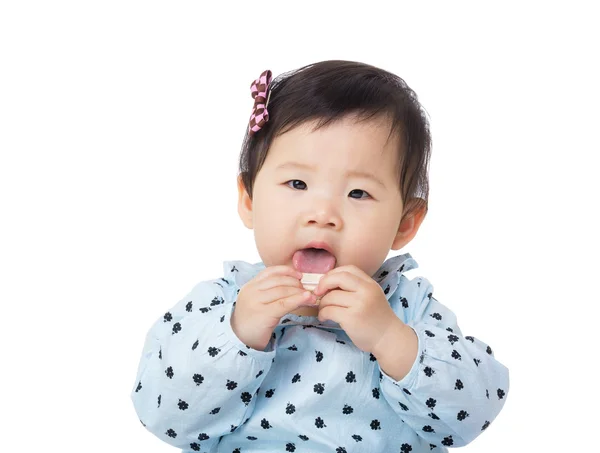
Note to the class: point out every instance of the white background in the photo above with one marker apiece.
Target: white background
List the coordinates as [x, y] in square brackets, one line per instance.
[120, 128]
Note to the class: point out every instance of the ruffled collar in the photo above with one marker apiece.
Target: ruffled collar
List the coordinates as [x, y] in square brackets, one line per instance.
[388, 275]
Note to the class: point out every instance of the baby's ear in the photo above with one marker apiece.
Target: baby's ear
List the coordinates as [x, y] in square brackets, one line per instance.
[244, 204]
[409, 226]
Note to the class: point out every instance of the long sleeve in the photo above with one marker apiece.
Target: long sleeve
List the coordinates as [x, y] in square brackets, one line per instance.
[455, 387]
[196, 380]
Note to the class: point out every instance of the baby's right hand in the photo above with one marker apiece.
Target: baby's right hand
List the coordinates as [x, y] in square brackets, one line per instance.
[264, 300]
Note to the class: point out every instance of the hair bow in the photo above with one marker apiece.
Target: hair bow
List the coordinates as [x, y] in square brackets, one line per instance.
[260, 92]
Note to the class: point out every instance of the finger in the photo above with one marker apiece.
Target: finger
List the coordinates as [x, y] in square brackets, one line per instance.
[273, 295]
[285, 305]
[344, 280]
[278, 270]
[337, 298]
[352, 269]
[278, 280]
[332, 313]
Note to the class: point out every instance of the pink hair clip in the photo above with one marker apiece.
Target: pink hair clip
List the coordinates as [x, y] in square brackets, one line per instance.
[261, 94]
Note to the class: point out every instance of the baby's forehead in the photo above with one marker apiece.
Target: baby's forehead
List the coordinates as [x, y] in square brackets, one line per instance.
[356, 136]
[358, 147]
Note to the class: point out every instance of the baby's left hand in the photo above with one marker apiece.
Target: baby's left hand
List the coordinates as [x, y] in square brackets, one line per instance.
[358, 304]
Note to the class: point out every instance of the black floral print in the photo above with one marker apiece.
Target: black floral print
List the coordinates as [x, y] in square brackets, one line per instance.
[198, 379]
[246, 398]
[448, 442]
[452, 339]
[428, 371]
[265, 424]
[430, 403]
[313, 378]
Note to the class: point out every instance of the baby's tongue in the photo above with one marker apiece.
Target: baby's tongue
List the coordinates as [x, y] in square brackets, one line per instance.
[314, 261]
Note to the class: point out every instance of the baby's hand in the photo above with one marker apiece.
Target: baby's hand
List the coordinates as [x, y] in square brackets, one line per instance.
[273, 293]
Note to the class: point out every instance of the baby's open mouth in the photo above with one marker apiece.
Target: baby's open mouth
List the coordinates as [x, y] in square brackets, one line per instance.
[314, 261]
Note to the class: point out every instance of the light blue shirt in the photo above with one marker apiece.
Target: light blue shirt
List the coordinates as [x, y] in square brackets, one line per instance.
[199, 388]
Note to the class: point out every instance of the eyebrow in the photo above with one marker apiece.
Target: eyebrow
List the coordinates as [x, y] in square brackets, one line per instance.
[352, 173]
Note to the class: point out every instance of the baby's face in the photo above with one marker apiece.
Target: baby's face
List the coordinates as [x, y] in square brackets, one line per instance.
[306, 191]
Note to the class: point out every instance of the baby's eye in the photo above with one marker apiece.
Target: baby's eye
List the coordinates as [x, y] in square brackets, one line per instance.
[302, 183]
[359, 190]
[295, 186]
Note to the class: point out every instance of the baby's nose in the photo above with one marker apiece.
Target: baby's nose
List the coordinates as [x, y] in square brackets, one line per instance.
[325, 213]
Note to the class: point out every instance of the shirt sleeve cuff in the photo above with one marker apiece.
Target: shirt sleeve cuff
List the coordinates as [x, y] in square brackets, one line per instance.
[408, 381]
[262, 356]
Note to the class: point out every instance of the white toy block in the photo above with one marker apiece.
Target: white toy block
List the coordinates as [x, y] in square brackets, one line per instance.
[310, 281]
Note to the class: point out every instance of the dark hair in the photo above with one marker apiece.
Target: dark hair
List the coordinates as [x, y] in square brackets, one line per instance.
[331, 90]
